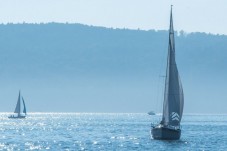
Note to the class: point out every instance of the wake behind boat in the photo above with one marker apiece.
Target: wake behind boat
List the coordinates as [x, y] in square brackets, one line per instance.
[18, 109]
[169, 127]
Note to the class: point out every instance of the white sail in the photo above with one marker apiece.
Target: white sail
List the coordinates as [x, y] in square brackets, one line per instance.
[17, 109]
[173, 97]
[24, 111]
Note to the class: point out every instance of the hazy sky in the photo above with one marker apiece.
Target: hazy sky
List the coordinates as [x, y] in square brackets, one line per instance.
[189, 15]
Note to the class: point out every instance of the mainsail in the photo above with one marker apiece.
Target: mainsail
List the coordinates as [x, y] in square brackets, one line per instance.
[17, 109]
[173, 97]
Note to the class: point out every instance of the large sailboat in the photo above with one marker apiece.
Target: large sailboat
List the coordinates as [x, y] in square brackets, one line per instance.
[18, 112]
[169, 127]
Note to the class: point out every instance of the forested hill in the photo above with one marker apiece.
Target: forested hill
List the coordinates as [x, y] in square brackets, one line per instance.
[75, 49]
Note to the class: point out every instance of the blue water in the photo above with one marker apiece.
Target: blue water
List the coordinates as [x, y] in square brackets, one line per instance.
[81, 131]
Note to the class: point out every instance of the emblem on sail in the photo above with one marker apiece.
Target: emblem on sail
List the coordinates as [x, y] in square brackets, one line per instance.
[175, 116]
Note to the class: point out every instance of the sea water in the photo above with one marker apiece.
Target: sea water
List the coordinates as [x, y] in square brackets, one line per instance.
[108, 131]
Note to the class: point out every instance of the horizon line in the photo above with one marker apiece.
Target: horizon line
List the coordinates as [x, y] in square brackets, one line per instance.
[186, 114]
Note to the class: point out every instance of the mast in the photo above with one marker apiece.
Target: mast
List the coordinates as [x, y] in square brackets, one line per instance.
[173, 96]
[17, 109]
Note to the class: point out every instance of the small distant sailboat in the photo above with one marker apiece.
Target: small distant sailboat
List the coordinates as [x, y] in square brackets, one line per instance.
[18, 108]
[151, 113]
[169, 127]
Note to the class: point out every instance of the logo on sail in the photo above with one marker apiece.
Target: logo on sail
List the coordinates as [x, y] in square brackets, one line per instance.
[175, 116]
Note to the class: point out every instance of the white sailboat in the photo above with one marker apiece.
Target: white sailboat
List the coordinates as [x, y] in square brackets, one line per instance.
[18, 112]
[169, 127]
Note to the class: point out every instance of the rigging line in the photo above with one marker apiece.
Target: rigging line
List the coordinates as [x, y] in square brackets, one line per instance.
[160, 93]
[162, 67]
[161, 64]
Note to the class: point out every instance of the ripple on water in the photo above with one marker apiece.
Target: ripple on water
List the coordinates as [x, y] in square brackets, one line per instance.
[83, 131]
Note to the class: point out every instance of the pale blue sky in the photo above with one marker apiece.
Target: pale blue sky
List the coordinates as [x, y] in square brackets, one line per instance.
[189, 15]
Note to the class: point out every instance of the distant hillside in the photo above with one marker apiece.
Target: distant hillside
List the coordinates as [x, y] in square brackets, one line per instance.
[106, 68]
[79, 49]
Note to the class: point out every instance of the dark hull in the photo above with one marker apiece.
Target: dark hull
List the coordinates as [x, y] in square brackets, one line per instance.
[16, 117]
[163, 133]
